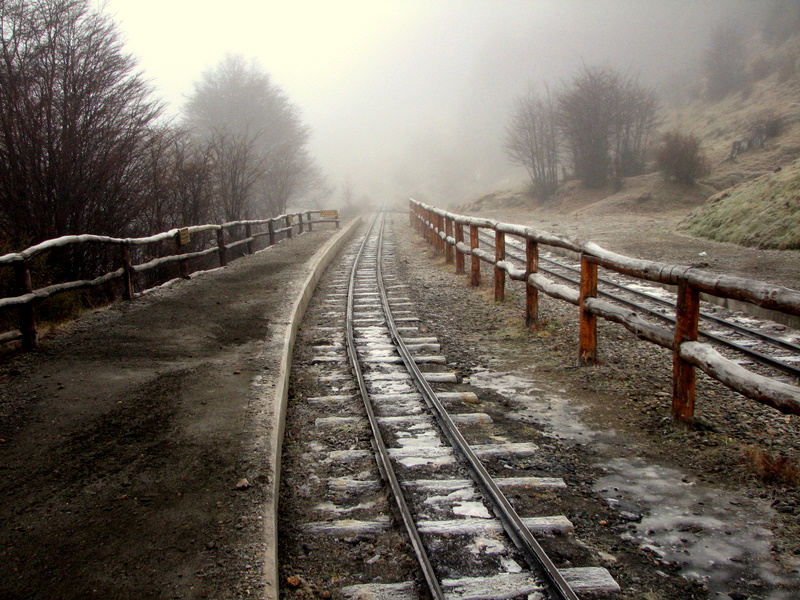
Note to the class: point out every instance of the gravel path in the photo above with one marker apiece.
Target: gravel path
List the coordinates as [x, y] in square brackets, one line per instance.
[125, 441]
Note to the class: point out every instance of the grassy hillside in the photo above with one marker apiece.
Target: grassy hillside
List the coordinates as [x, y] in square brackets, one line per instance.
[763, 212]
[749, 199]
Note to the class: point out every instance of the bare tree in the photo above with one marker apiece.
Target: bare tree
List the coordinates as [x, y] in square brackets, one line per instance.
[532, 141]
[637, 120]
[606, 119]
[76, 122]
[193, 187]
[258, 139]
[237, 166]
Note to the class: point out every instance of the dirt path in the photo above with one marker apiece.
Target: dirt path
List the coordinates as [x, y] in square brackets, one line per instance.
[124, 438]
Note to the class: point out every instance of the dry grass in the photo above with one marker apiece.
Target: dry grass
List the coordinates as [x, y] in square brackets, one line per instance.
[762, 213]
[770, 468]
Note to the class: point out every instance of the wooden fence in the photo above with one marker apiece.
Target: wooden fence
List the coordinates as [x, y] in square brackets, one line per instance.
[445, 231]
[177, 241]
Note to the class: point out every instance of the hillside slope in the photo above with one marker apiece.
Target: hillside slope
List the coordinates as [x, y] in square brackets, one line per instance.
[763, 212]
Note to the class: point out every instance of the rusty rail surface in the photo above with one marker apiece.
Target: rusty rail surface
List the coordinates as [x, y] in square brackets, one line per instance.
[445, 230]
[27, 297]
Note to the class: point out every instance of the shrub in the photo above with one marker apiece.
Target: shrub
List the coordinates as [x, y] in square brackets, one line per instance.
[680, 158]
[771, 123]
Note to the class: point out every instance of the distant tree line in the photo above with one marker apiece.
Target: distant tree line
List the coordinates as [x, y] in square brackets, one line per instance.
[85, 146]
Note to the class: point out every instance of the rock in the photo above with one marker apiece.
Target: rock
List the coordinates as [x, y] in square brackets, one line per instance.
[242, 484]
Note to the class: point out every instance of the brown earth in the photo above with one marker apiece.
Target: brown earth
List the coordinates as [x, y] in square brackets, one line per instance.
[125, 440]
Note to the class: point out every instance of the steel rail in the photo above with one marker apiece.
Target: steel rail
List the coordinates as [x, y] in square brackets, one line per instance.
[512, 523]
[382, 453]
[764, 359]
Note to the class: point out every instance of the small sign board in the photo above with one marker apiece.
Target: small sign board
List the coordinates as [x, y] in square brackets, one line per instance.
[329, 214]
[290, 219]
[183, 235]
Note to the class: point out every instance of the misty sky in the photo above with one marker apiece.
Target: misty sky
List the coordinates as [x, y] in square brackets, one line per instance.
[410, 97]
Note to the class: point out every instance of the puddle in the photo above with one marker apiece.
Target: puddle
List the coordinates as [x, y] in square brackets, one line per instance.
[532, 404]
[715, 537]
[718, 538]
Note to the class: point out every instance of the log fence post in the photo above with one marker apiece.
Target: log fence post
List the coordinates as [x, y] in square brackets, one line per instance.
[27, 313]
[683, 375]
[459, 255]
[222, 250]
[499, 272]
[310, 220]
[440, 243]
[300, 219]
[587, 353]
[271, 230]
[475, 275]
[531, 293]
[183, 267]
[128, 277]
[289, 226]
[448, 249]
[248, 233]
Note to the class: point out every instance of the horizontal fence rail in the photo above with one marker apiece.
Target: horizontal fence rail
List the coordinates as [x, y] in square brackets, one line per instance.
[177, 241]
[445, 230]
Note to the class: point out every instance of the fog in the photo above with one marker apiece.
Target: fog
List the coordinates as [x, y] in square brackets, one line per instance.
[412, 97]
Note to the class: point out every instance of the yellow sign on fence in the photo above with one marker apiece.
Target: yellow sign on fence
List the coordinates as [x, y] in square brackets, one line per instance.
[329, 214]
[184, 235]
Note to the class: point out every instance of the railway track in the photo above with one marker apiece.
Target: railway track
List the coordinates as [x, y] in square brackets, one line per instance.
[753, 342]
[398, 490]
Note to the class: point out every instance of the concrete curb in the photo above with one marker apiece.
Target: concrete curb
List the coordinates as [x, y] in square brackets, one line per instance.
[274, 443]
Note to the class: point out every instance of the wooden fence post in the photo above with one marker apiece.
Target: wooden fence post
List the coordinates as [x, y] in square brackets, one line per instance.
[683, 376]
[271, 229]
[432, 228]
[289, 226]
[310, 220]
[459, 255]
[300, 218]
[128, 278]
[587, 354]
[440, 243]
[499, 273]
[221, 248]
[248, 233]
[531, 293]
[448, 249]
[27, 313]
[183, 267]
[475, 276]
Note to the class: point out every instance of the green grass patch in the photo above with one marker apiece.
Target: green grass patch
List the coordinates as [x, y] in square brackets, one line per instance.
[762, 213]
